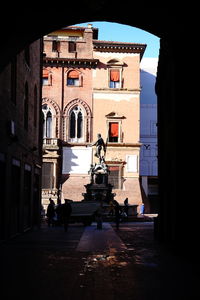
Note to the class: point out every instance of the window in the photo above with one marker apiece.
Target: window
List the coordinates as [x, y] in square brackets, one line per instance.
[115, 78]
[113, 132]
[72, 47]
[47, 121]
[45, 77]
[114, 177]
[76, 124]
[55, 46]
[73, 78]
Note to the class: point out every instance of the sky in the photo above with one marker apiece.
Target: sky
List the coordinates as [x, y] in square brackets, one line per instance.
[123, 33]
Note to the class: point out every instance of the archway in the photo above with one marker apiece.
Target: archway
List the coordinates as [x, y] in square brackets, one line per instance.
[169, 85]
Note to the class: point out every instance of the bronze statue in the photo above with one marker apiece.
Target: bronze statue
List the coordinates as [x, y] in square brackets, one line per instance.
[99, 146]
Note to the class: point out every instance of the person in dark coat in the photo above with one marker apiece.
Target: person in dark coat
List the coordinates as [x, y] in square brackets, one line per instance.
[126, 206]
[50, 212]
[66, 212]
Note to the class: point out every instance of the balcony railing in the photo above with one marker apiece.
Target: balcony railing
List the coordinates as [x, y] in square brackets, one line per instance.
[50, 143]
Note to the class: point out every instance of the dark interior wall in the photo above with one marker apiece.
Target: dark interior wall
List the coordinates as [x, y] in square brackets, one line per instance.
[27, 23]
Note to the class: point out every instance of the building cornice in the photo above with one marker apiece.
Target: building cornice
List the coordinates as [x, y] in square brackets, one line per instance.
[110, 46]
[72, 62]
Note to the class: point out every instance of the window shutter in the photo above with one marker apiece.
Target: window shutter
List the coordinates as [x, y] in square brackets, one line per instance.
[114, 75]
[45, 73]
[113, 130]
[73, 74]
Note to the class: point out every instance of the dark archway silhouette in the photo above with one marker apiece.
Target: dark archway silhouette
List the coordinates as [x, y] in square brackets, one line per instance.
[26, 24]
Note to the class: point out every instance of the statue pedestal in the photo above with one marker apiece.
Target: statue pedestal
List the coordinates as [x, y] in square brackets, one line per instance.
[99, 189]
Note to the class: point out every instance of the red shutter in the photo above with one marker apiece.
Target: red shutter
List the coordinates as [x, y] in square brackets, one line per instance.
[114, 129]
[73, 74]
[114, 75]
[45, 73]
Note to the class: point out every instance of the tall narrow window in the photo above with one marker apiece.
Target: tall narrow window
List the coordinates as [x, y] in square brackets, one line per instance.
[56, 46]
[73, 78]
[114, 177]
[76, 124]
[113, 132]
[47, 121]
[72, 47]
[79, 125]
[26, 106]
[72, 125]
[45, 77]
[114, 78]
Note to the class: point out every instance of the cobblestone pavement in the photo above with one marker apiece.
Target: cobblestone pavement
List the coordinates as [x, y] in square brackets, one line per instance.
[46, 264]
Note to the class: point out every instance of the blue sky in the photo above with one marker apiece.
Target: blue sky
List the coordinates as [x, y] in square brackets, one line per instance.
[123, 33]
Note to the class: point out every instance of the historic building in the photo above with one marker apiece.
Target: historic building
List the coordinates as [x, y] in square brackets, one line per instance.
[21, 142]
[90, 87]
[148, 134]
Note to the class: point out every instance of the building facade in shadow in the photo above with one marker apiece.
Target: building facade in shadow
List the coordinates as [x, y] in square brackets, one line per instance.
[21, 142]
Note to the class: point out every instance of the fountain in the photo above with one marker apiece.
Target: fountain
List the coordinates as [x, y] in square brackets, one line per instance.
[99, 189]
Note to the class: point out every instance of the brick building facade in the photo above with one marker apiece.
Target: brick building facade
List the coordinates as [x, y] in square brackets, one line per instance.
[90, 87]
[21, 142]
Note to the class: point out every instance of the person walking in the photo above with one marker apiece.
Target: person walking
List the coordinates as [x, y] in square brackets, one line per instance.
[50, 212]
[66, 210]
[126, 206]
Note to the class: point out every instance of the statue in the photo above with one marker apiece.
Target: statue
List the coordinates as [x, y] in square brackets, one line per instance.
[99, 145]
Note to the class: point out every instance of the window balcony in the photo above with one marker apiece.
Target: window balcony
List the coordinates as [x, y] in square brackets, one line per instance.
[51, 143]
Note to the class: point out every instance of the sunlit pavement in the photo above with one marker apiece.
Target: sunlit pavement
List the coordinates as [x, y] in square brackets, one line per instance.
[86, 263]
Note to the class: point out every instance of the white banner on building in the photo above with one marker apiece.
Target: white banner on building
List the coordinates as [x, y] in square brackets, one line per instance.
[132, 163]
[76, 160]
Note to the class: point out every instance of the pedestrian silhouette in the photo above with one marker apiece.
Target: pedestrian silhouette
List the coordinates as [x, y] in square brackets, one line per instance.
[126, 206]
[66, 210]
[50, 212]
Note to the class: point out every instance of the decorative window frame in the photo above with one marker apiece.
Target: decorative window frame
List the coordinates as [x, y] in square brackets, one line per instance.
[87, 120]
[56, 116]
[49, 78]
[80, 78]
[115, 64]
[113, 117]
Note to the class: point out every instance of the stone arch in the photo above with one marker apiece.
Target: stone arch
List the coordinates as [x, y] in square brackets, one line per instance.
[169, 82]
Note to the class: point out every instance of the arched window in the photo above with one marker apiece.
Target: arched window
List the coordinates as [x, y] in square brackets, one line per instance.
[47, 121]
[76, 124]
